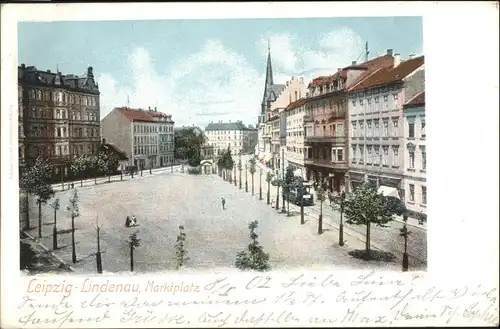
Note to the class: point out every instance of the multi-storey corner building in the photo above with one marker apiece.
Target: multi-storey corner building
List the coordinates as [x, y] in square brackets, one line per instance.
[60, 116]
[233, 135]
[414, 154]
[294, 142]
[146, 136]
[375, 120]
[325, 121]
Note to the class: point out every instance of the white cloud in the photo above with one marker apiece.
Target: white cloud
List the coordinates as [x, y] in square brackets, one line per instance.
[217, 83]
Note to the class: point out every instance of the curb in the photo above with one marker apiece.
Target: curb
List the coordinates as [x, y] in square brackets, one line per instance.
[61, 262]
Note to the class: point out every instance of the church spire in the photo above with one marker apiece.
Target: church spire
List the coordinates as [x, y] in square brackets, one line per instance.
[269, 70]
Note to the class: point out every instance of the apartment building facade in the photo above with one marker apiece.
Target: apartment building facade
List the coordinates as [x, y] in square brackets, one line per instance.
[325, 122]
[294, 143]
[414, 154]
[233, 135]
[145, 136]
[375, 121]
[59, 116]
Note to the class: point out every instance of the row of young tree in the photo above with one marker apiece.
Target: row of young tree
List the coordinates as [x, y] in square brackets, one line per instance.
[364, 206]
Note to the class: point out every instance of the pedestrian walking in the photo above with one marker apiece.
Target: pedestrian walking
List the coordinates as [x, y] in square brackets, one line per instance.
[223, 203]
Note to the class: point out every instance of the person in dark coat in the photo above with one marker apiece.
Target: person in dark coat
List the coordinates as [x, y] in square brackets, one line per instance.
[128, 222]
[223, 203]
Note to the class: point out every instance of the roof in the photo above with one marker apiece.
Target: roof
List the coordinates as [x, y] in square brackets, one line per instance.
[328, 79]
[114, 149]
[295, 104]
[417, 100]
[390, 74]
[215, 126]
[136, 115]
[84, 82]
[376, 62]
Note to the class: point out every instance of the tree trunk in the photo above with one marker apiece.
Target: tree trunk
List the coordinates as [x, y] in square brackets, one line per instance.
[367, 243]
[109, 178]
[131, 257]
[73, 252]
[268, 193]
[98, 255]
[54, 232]
[278, 198]
[302, 212]
[287, 206]
[39, 219]
[81, 182]
[95, 179]
[240, 180]
[252, 186]
[320, 222]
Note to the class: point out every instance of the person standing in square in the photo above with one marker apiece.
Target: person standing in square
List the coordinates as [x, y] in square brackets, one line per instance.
[223, 203]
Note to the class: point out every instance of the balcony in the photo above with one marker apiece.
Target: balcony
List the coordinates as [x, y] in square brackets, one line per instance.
[326, 163]
[326, 139]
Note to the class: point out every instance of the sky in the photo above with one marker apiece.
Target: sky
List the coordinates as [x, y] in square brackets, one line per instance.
[208, 70]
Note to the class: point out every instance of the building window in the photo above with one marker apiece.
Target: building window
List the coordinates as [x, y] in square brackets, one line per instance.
[386, 98]
[412, 193]
[38, 95]
[340, 130]
[394, 128]
[386, 129]
[395, 96]
[422, 129]
[354, 129]
[353, 154]
[361, 129]
[360, 102]
[386, 155]
[377, 155]
[369, 159]
[354, 103]
[376, 99]
[361, 154]
[58, 114]
[395, 159]
[411, 130]
[424, 194]
[377, 126]
[369, 129]
[412, 159]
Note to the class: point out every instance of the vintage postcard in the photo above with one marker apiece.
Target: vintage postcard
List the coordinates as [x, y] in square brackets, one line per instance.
[242, 165]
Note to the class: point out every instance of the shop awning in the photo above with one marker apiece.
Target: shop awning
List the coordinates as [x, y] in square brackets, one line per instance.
[388, 191]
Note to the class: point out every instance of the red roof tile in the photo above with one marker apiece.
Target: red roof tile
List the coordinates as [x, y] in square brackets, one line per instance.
[417, 100]
[294, 105]
[386, 75]
[136, 115]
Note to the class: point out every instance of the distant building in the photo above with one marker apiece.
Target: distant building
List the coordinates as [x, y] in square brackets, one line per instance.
[415, 155]
[234, 135]
[146, 136]
[58, 116]
[375, 120]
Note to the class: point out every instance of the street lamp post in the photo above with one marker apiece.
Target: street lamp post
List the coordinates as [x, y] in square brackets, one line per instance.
[404, 233]
[341, 226]
[260, 184]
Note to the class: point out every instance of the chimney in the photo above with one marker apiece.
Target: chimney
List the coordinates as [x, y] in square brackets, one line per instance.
[412, 56]
[389, 52]
[23, 66]
[149, 108]
[397, 60]
[155, 108]
[48, 71]
[353, 63]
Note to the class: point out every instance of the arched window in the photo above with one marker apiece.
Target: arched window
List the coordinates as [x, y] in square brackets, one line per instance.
[59, 97]
[39, 95]
[78, 116]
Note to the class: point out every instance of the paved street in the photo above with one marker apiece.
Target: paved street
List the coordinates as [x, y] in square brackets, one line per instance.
[386, 239]
[165, 200]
